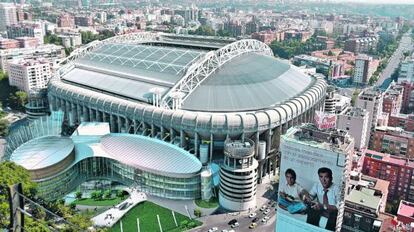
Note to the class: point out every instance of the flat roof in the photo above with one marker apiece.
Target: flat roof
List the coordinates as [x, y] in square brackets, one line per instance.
[364, 197]
[406, 209]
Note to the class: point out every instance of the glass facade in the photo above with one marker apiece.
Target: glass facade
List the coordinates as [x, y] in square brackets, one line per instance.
[95, 168]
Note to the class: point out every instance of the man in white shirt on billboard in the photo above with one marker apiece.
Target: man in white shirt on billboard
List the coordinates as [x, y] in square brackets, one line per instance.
[290, 194]
[324, 199]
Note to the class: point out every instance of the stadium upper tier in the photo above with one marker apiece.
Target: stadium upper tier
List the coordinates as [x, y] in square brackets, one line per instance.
[241, 76]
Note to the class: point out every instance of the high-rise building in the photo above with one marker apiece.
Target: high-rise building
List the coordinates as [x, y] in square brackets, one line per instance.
[407, 71]
[361, 45]
[355, 122]
[364, 68]
[26, 30]
[43, 51]
[66, 20]
[393, 99]
[8, 15]
[393, 140]
[314, 166]
[364, 203]
[398, 171]
[336, 103]
[29, 75]
[371, 100]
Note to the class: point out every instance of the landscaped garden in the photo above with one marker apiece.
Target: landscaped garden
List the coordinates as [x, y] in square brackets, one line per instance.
[212, 203]
[101, 198]
[147, 213]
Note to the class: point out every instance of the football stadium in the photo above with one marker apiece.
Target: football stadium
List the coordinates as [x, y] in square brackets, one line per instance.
[194, 92]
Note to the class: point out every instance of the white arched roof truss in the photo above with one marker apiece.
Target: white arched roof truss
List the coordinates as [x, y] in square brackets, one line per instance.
[203, 68]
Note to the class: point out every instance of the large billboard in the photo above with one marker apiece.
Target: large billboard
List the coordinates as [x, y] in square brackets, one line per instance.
[311, 187]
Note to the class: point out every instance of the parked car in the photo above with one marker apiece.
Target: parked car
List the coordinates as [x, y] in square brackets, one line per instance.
[235, 225]
[231, 222]
[252, 215]
[253, 225]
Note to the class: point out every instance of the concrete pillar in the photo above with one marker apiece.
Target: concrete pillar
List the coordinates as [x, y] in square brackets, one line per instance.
[196, 144]
[182, 138]
[211, 146]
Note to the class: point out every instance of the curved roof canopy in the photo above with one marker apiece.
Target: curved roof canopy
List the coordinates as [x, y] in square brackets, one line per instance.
[248, 82]
[42, 152]
[150, 155]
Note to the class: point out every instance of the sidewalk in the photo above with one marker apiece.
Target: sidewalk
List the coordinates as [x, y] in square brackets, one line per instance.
[112, 215]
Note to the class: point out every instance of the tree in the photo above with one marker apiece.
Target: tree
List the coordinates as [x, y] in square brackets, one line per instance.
[78, 195]
[19, 98]
[197, 212]
[97, 195]
[108, 194]
[330, 53]
[10, 174]
[4, 127]
[203, 30]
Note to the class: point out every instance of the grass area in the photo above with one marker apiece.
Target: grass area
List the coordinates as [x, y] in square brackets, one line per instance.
[103, 202]
[212, 203]
[147, 214]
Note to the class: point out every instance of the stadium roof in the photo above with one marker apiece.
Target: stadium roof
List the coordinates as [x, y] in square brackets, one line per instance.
[248, 82]
[240, 76]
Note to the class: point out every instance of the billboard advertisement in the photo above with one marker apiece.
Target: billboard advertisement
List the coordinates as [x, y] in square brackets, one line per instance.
[311, 187]
[324, 120]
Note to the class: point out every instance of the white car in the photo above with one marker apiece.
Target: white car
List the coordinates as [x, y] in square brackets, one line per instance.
[252, 215]
[264, 220]
[213, 229]
[235, 225]
[267, 218]
[263, 208]
[267, 211]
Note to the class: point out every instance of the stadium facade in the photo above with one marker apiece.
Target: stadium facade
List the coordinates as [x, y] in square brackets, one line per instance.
[194, 92]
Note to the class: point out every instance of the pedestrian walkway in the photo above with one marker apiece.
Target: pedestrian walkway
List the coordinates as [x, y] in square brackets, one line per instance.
[112, 215]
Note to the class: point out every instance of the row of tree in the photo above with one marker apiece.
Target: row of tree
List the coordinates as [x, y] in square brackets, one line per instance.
[10, 174]
[289, 48]
[11, 97]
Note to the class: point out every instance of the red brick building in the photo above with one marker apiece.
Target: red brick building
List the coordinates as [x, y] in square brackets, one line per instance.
[392, 100]
[393, 140]
[398, 171]
[408, 89]
[66, 20]
[405, 212]
[405, 121]
[8, 43]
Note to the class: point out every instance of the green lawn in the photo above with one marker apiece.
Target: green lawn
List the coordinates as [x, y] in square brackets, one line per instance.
[103, 202]
[147, 214]
[213, 203]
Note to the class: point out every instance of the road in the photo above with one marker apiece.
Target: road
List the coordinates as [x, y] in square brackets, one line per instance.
[404, 45]
[221, 222]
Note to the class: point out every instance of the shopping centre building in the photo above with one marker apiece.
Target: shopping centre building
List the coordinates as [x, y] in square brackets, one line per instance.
[60, 164]
[194, 92]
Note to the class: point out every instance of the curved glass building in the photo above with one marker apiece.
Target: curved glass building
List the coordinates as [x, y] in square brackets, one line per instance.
[60, 164]
[188, 90]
